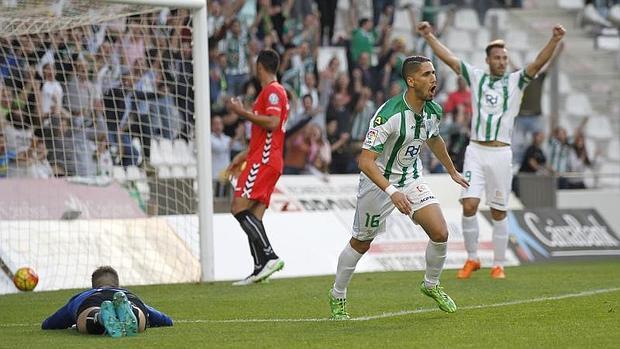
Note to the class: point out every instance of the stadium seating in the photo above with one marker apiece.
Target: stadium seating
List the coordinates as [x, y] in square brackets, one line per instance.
[571, 5]
[502, 18]
[459, 40]
[466, 19]
[598, 127]
[578, 104]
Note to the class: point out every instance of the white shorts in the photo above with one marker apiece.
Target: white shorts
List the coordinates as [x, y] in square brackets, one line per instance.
[488, 169]
[374, 206]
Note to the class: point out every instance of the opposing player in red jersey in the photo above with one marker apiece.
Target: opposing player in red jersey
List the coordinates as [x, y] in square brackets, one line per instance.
[264, 165]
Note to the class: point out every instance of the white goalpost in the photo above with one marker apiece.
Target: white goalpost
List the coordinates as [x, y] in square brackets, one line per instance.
[105, 150]
[202, 114]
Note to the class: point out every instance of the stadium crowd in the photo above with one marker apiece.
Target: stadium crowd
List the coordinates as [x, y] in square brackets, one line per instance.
[77, 101]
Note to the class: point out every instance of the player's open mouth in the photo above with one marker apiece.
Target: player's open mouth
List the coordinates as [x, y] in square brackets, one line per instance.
[433, 88]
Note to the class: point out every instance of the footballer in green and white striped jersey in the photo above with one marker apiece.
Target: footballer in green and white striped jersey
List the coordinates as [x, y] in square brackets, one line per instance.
[497, 100]
[397, 133]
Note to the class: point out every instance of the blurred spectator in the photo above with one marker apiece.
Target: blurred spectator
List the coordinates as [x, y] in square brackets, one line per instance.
[107, 69]
[38, 165]
[462, 96]
[299, 119]
[51, 92]
[181, 78]
[220, 153]
[534, 160]
[217, 79]
[364, 38]
[7, 158]
[381, 8]
[306, 151]
[457, 135]
[132, 45]
[529, 119]
[558, 151]
[320, 155]
[363, 110]
[579, 161]
[216, 17]
[338, 132]
[119, 108]
[327, 8]
[327, 82]
[237, 57]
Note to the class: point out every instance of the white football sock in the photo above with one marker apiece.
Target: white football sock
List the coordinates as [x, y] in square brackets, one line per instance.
[435, 257]
[470, 235]
[346, 266]
[500, 241]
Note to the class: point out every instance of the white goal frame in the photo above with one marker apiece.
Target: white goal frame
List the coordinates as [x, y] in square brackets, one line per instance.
[202, 112]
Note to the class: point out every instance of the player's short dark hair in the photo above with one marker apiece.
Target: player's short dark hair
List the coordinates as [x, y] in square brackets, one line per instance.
[269, 59]
[362, 22]
[104, 276]
[493, 44]
[411, 65]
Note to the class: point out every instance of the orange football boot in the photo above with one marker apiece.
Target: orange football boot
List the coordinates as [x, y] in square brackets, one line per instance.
[497, 272]
[470, 266]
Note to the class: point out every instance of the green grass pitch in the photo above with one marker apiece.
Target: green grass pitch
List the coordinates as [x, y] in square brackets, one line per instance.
[557, 305]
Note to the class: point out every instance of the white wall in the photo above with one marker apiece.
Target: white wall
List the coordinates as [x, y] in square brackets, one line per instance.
[606, 202]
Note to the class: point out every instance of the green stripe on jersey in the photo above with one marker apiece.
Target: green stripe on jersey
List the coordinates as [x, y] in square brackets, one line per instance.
[403, 177]
[505, 107]
[480, 85]
[415, 169]
[487, 135]
[465, 74]
[397, 145]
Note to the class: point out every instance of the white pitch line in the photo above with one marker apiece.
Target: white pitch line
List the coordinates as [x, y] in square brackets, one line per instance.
[385, 315]
[418, 311]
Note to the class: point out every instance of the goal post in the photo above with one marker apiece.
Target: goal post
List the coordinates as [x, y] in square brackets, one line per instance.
[105, 148]
[202, 112]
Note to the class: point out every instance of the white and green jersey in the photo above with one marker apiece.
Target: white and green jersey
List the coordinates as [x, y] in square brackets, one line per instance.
[397, 133]
[495, 102]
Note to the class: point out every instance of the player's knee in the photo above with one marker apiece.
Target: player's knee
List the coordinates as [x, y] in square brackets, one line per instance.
[360, 246]
[236, 207]
[439, 235]
[498, 215]
[469, 208]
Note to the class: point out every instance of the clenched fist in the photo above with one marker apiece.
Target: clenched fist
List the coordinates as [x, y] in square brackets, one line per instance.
[424, 28]
[558, 32]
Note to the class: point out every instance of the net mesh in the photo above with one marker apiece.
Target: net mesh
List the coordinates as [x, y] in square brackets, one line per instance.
[97, 159]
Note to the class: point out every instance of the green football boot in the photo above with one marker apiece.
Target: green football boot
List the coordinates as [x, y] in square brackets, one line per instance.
[125, 314]
[444, 301]
[338, 307]
[109, 320]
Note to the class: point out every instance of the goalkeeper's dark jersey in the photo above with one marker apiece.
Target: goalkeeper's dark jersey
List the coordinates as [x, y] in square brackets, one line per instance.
[66, 316]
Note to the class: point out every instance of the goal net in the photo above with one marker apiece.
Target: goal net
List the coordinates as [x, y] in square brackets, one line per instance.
[98, 160]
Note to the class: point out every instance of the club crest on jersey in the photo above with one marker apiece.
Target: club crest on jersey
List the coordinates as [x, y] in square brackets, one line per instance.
[274, 99]
[370, 137]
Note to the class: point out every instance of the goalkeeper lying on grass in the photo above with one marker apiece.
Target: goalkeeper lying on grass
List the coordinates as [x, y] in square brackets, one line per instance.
[106, 309]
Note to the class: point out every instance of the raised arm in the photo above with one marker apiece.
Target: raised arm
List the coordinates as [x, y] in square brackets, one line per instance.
[441, 51]
[545, 54]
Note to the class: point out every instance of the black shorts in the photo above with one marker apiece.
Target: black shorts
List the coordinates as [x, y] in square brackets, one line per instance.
[97, 298]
